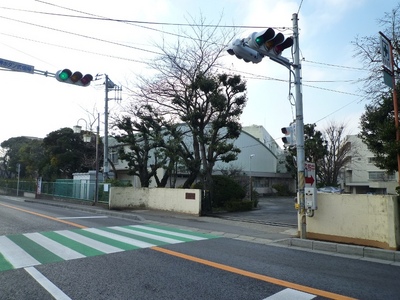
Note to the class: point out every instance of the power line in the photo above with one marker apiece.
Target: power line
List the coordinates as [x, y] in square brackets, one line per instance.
[332, 65]
[93, 17]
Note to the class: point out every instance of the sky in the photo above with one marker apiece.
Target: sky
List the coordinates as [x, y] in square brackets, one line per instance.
[35, 33]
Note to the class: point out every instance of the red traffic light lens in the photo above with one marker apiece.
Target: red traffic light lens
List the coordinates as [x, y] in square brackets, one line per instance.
[86, 79]
[286, 44]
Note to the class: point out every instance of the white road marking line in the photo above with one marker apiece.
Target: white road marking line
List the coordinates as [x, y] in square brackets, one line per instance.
[58, 249]
[47, 284]
[105, 248]
[15, 254]
[188, 236]
[147, 235]
[120, 238]
[290, 294]
[88, 217]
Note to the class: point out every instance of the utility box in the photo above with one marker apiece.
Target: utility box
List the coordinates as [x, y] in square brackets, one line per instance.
[310, 198]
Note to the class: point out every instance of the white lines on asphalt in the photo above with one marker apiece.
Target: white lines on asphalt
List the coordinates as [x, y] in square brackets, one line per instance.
[290, 294]
[47, 284]
[120, 238]
[62, 251]
[89, 217]
[189, 236]
[147, 235]
[105, 248]
[15, 255]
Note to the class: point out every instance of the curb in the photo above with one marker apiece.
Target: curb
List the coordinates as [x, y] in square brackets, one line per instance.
[344, 249]
[353, 251]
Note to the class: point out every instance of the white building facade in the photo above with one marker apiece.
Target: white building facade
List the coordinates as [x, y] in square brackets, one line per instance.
[361, 176]
[260, 158]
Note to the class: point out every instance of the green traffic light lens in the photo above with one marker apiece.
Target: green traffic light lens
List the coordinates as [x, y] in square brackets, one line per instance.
[259, 40]
[63, 76]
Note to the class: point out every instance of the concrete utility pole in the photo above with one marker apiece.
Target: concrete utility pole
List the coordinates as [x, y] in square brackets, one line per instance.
[105, 162]
[299, 128]
[109, 86]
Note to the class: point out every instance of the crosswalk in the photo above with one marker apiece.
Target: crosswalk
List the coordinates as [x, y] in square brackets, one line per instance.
[31, 249]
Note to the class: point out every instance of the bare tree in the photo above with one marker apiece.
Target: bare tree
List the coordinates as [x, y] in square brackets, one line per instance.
[189, 89]
[339, 154]
[367, 49]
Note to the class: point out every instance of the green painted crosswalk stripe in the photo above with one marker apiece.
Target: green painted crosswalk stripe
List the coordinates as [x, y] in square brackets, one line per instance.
[136, 237]
[180, 238]
[78, 247]
[38, 252]
[106, 240]
[177, 230]
[4, 264]
[56, 246]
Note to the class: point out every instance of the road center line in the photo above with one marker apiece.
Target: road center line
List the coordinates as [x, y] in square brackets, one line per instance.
[47, 284]
[268, 279]
[44, 216]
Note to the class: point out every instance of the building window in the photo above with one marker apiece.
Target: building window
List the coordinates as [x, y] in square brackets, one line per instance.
[371, 160]
[380, 176]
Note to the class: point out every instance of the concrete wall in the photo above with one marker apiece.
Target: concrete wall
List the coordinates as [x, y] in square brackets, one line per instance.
[178, 200]
[368, 220]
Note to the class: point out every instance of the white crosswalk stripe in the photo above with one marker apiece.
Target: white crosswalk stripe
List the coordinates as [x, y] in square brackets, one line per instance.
[120, 238]
[105, 248]
[16, 255]
[31, 249]
[178, 234]
[148, 235]
[61, 250]
[290, 294]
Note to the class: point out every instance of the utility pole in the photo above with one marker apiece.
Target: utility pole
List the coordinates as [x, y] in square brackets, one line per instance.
[299, 128]
[105, 162]
[268, 44]
[109, 86]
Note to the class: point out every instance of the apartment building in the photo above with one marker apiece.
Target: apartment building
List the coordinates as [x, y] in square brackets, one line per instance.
[361, 176]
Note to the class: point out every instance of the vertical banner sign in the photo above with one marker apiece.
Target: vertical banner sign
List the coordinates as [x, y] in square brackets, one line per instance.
[386, 54]
[387, 65]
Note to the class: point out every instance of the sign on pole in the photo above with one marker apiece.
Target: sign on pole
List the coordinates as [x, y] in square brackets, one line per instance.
[386, 53]
[309, 174]
[16, 66]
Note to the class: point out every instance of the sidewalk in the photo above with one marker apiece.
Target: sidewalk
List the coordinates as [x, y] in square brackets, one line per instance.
[246, 226]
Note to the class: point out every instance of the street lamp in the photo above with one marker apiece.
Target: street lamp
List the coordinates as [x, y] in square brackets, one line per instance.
[251, 180]
[87, 139]
[77, 129]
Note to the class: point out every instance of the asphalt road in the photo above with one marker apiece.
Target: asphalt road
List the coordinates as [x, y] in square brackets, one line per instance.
[271, 210]
[166, 262]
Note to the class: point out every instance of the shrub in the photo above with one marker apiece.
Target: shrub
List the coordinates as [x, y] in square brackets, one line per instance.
[236, 205]
[225, 189]
[282, 190]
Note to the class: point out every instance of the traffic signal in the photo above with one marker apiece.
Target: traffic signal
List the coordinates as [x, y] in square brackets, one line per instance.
[290, 135]
[243, 51]
[75, 78]
[268, 43]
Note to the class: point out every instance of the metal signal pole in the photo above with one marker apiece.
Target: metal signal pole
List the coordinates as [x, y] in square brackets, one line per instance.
[299, 129]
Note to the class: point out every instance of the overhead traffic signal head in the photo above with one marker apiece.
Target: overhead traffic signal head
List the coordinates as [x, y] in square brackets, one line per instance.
[75, 78]
[290, 135]
[268, 43]
[242, 51]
